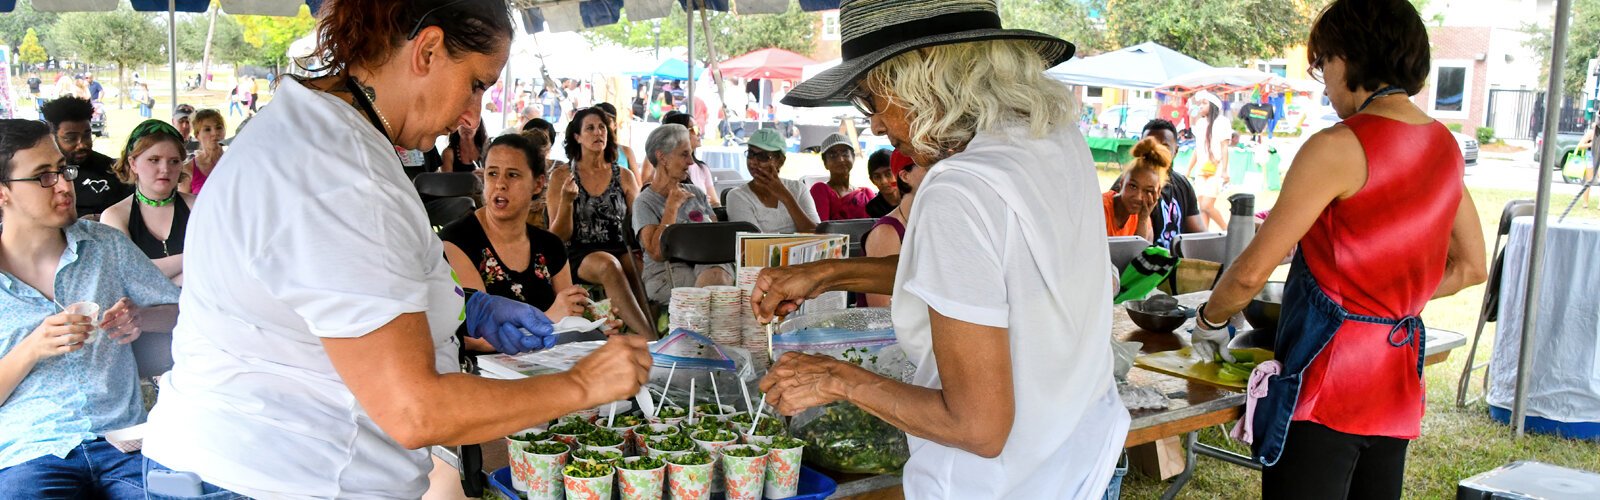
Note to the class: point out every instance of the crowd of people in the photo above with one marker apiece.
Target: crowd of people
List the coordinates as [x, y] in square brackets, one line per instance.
[322, 359]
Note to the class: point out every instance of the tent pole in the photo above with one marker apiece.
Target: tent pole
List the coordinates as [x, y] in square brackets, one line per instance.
[1541, 215]
[716, 67]
[172, 51]
[688, 105]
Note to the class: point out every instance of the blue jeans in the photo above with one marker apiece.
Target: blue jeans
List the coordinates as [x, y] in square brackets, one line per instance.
[208, 491]
[94, 469]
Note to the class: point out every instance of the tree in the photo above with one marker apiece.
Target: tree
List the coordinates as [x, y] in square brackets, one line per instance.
[121, 36]
[1076, 21]
[227, 42]
[794, 31]
[271, 36]
[1219, 33]
[14, 25]
[1583, 44]
[31, 52]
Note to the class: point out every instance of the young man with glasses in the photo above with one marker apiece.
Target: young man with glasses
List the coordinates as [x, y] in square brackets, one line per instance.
[96, 186]
[837, 199]
[65, 379]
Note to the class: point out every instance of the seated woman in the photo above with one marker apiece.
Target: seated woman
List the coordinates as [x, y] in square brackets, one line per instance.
[837, 199]
[465, 156]
[699, 173]
[886, 235]
[209, 131]
[60, 388]
[539, 206]
[773, 204]
[157, 213]
[625, 157]
[670, 200]
[496, 244]
[589, 210]
[1128, 211]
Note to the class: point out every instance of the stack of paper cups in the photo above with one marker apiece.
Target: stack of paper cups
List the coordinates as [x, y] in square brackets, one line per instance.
[726, 324]
[690, 309]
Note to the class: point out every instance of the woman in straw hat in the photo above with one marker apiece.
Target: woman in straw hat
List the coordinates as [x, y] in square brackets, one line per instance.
[1001, 291]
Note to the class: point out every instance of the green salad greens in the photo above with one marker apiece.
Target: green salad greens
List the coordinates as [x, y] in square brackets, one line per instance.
[847, 439]
[601, 437]
[786, 443]
[629, 420]
[672, 412]
[529, 437]
[714, 436]
[640, 463]
[708, 409]
[645, 430]
[744, 451]
[672, 442]
[548, 448]
[587, 470]
[596, 455]
[573, 428]
[696, 458]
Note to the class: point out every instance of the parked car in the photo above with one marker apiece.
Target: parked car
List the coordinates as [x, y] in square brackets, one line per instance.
[1566, 142]
[1128, 119]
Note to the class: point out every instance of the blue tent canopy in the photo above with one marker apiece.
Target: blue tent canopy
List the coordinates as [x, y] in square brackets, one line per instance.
[1143, 66]
[672, 69]
[566, 15]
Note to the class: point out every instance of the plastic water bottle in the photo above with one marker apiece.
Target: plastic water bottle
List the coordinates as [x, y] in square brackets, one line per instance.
[1241, 227]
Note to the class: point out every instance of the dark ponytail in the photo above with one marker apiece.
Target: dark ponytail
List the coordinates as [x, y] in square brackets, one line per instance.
[365, 33]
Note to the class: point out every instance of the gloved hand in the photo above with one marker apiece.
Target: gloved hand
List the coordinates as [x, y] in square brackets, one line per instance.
[1208, 343]
[510, 326]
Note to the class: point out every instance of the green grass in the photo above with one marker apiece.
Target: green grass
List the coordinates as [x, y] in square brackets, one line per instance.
[1455, 443]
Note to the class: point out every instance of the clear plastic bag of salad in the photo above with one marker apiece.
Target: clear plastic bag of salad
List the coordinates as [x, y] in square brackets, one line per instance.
[842, 436]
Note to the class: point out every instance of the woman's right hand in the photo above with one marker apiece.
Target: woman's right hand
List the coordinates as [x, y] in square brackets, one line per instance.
[569, 302]
[569, 189]
[780, 291]
[613, 372]
[56, 335]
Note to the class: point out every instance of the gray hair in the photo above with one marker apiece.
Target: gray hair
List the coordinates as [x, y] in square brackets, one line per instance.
[664, 139]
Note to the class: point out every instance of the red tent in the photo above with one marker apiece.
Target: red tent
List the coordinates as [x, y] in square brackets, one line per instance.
[769, 64]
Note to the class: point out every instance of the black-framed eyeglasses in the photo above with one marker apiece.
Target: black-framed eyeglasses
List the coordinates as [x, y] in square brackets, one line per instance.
[863, 102]
[424, 18]
[1315, 70]
[762, 156]
[49, 178]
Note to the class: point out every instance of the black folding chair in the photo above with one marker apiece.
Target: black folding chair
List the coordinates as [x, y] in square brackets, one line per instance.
[1490, 311]
[703, 243]
[856, 229]
[435, 185]
[443, 211]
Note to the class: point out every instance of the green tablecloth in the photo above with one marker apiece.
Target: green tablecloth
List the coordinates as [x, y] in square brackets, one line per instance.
[1111, 149]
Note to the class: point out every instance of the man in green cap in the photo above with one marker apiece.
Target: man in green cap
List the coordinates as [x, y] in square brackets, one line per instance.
[772, 203]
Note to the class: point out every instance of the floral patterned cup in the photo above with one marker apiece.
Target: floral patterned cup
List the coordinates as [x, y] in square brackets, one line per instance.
[589, 488]
[541, 472]
[783, 469]
[688, 482]
[713, 447]
[744, 475]
[641, 484]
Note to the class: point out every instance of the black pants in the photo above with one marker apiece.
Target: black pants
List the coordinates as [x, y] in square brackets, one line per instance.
[1322, 463]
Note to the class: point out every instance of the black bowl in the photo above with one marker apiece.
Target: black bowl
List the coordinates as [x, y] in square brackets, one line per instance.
[1157, 323]
[1262, 313]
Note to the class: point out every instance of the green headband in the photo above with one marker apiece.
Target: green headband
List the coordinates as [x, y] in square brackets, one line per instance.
[149, 127]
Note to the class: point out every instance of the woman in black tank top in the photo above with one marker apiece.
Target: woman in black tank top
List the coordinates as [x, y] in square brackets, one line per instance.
[156, 215]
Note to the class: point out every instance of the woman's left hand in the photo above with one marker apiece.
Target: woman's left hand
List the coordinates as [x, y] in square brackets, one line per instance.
[121, 322]
[800, 381]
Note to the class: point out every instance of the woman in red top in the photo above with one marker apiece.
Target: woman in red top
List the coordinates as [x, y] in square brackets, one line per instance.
[1383, 223]
[1128, 209]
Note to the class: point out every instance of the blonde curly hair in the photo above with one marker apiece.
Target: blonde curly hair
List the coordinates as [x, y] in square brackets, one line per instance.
[970, 87]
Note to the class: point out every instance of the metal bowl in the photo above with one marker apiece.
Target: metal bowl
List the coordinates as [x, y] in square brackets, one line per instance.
[1156, 322]
[1262, 313]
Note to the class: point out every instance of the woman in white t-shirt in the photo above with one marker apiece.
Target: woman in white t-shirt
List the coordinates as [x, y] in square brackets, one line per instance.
[774, 204]
[317, 352]
[1209, 164]
[1002, 298]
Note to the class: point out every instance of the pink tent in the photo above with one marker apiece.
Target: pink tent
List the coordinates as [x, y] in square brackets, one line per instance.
[769, 64]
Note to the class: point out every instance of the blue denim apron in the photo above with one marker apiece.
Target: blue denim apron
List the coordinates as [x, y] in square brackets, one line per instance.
[1308, 322]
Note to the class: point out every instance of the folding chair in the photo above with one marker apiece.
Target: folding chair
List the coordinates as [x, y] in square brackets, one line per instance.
[435, 185]
[856, 229]
[703, 243]
[446, 210]
[1490, 310]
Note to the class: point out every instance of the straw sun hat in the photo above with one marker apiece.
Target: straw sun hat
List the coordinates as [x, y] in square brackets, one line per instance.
[874, 31]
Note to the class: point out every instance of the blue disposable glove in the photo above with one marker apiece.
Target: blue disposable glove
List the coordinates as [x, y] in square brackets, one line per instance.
[510, 326]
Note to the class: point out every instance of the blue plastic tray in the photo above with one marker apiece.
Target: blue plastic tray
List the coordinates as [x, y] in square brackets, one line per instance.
[813, 485]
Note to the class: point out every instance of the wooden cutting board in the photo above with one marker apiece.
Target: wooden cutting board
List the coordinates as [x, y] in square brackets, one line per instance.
[1179, 364]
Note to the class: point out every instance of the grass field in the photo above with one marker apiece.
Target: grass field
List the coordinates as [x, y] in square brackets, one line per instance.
[1456, 443]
